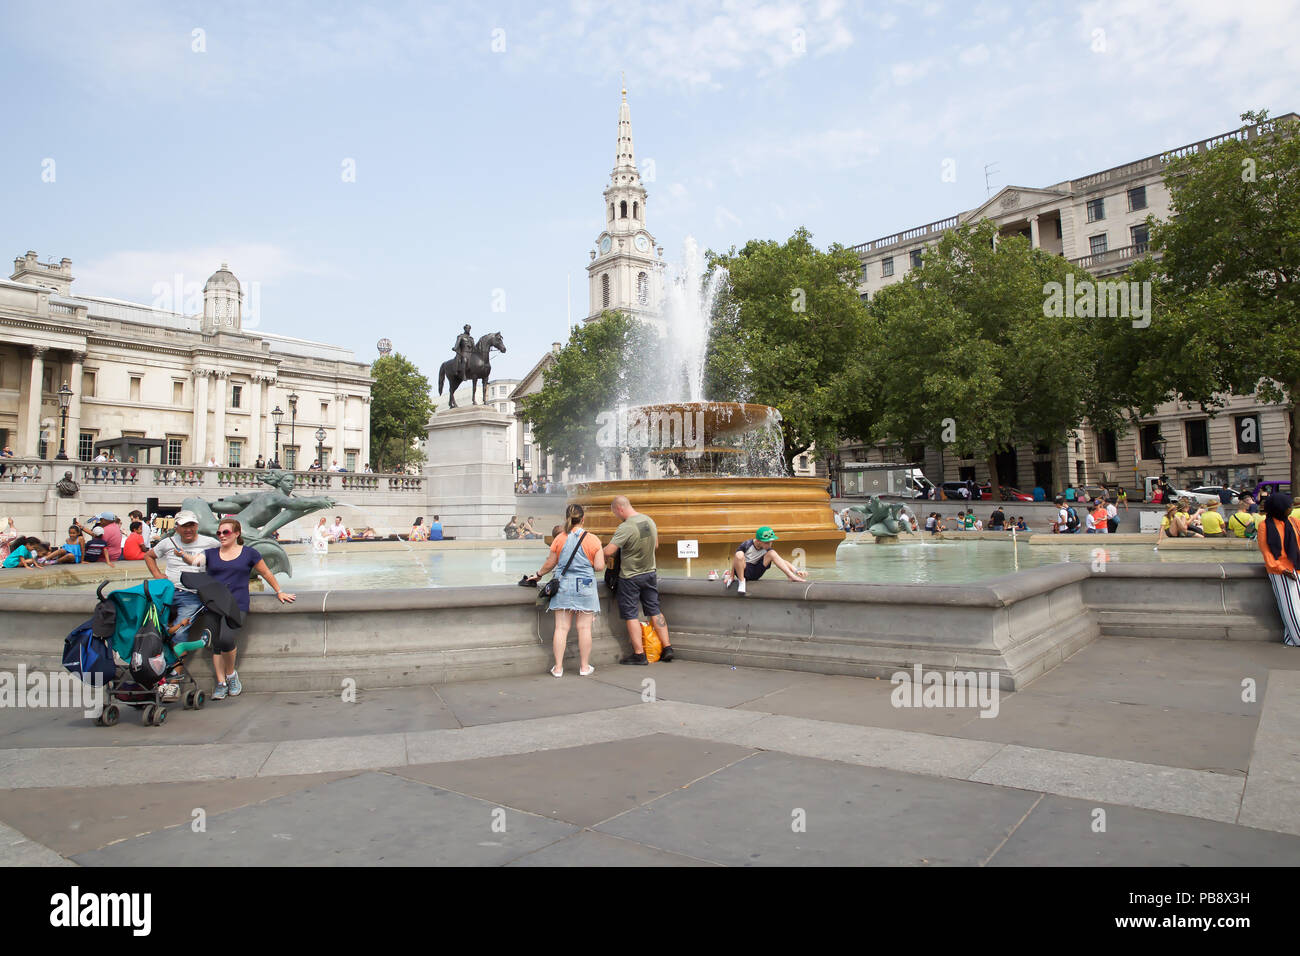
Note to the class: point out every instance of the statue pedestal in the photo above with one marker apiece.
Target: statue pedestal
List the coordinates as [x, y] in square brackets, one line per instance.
[470, 471]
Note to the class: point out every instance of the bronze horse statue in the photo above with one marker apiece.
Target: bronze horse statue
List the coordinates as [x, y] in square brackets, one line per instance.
[479, 368]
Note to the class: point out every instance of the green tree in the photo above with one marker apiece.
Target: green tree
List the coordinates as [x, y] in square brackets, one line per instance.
[789, 323]
[400, 407]
[592, 375]
[1227, 285]
[974, 351]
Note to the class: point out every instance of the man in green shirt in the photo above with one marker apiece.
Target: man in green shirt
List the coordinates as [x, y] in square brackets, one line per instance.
[638, 582]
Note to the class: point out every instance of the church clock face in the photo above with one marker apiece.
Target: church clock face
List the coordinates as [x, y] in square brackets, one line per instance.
[604, 245]
[642, 244]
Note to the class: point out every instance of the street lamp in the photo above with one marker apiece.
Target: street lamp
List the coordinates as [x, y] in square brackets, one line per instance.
[293, 418]
[320, 447]
[1160, 443]
[278, 416]
[65, 396]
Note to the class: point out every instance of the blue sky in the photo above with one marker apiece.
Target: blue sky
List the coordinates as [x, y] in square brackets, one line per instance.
[481, 169]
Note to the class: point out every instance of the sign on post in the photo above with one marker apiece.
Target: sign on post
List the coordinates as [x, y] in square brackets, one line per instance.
[688, 549]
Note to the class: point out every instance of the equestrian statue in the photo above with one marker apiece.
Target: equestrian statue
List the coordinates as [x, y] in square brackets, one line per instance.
[472, 364]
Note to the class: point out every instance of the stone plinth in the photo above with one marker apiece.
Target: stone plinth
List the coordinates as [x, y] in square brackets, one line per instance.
[470, 484]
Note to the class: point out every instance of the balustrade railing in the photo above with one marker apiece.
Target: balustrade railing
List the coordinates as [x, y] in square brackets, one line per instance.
[111, 473]
[23, 470]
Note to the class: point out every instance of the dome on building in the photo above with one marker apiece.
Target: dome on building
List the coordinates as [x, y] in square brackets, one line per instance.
[223, 278]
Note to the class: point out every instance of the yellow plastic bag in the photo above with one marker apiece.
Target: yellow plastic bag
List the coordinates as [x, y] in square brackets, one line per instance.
[650, 642]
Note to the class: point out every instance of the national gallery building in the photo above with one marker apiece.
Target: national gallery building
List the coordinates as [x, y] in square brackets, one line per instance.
[195, 387]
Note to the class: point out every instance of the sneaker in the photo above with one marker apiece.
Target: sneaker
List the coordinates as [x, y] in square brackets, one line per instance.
[727, 578]
[236, 688]
[666, 654]
[220, 692]
[635, 659]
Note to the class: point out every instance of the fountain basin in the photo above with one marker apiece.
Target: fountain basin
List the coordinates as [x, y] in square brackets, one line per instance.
[719, 513]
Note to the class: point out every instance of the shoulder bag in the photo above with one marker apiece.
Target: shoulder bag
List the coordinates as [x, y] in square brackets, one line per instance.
[552, 587]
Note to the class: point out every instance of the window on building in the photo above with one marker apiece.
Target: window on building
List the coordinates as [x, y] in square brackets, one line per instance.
[43, 444]
[290, 457]
[175, 448]
[1096, 210]
[1248, 442]
[642, 288]
[887, 266]
[1140, 235]
[915, 256]
[634, 210]
[87, 384]
[236, 393]
[1057, 224]
[178, 393]
[350, 462]
[1137, 198]
[604, 290]
[47, 379]
[1107, 445]
[135, 388]
[622, 209]
[1078, 471]
[86, 446]
[1198, 438]
[1147, 440]
[235, 453]
[803, 462]
[1097, 244]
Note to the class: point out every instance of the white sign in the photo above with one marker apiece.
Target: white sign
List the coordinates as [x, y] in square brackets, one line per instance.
[688, 549]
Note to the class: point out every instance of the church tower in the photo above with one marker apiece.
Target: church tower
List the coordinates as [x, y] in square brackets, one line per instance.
[626, 268]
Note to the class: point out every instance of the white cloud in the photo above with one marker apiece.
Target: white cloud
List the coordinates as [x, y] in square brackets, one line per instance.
[974, 55]
[909, 71]
[134, 274]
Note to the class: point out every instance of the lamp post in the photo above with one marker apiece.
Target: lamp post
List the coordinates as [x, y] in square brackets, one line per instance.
[65, 396]
[320, 447]
[293, 419]
[278, 416]
[1160, 443]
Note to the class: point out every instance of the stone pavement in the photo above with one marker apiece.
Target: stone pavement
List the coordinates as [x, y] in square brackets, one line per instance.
[724, 766]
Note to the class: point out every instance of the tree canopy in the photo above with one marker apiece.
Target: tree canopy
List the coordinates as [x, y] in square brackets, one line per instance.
[1227, 283]
[968, 354]
[400, 407]
[789, 325]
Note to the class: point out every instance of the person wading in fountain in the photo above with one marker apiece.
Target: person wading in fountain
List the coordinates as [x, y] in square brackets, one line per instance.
[637, 538]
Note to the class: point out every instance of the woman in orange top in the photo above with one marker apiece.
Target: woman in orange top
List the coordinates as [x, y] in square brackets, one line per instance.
[577, 600]
[1279, 542]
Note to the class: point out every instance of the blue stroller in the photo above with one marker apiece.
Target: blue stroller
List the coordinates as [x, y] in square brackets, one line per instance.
[125, 622]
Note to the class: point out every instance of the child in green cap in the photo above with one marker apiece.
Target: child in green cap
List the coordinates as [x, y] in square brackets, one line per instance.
[752, 559]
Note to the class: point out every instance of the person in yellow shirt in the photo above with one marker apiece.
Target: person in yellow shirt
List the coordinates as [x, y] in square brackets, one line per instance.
[1242, 523]
[1212, 521]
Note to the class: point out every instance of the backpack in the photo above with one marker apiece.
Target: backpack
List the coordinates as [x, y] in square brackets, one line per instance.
[148, 662]
[87, 655]
[1071, 518]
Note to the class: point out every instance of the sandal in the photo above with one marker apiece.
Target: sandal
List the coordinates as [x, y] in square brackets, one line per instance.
[560, 674]
[587, 671]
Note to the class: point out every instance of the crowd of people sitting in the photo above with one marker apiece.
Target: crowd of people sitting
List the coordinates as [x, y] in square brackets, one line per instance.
[99, 538]
[526, 486]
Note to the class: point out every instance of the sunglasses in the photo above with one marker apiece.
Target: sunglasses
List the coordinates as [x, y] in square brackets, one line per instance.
[222, 534]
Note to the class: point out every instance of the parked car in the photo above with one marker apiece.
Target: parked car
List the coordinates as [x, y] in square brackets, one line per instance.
[1014, 494]
[1218, 491]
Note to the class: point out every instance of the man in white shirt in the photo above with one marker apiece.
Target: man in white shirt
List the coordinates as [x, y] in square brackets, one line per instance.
[1112, 517]
[186, 540]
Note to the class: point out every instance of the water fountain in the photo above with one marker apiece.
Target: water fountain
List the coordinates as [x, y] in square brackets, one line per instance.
[721, 464]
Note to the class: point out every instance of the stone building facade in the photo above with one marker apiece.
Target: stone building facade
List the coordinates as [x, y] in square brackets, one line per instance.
[1097, 221]
[201, 384]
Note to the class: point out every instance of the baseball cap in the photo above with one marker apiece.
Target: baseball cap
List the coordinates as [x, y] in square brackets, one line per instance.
[186, 517]
[765, 534]
[106, 516]
[96, 531]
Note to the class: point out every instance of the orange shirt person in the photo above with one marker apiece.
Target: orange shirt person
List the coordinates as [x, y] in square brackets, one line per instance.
[1279, 543]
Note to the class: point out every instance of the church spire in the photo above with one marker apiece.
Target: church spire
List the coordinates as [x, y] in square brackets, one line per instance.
[624, 158]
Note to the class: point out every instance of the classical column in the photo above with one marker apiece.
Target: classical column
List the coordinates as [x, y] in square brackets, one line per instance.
[32, 426]
[256, 430]
[219, 431]
[365, 431]
[199, 434]
[1033, 232]
[340, 407]
[74, 405]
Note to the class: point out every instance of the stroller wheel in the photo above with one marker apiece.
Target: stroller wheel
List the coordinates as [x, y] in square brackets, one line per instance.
[110, 716]
[189, 700]
[200, 699]
[146, 716]
[159, 716]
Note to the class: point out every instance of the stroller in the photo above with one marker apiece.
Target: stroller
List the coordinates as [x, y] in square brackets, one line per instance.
[131, 623]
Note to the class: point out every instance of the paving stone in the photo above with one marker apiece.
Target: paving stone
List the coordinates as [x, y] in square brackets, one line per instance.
[1274, 781]
[521, 698]
[589, 848]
